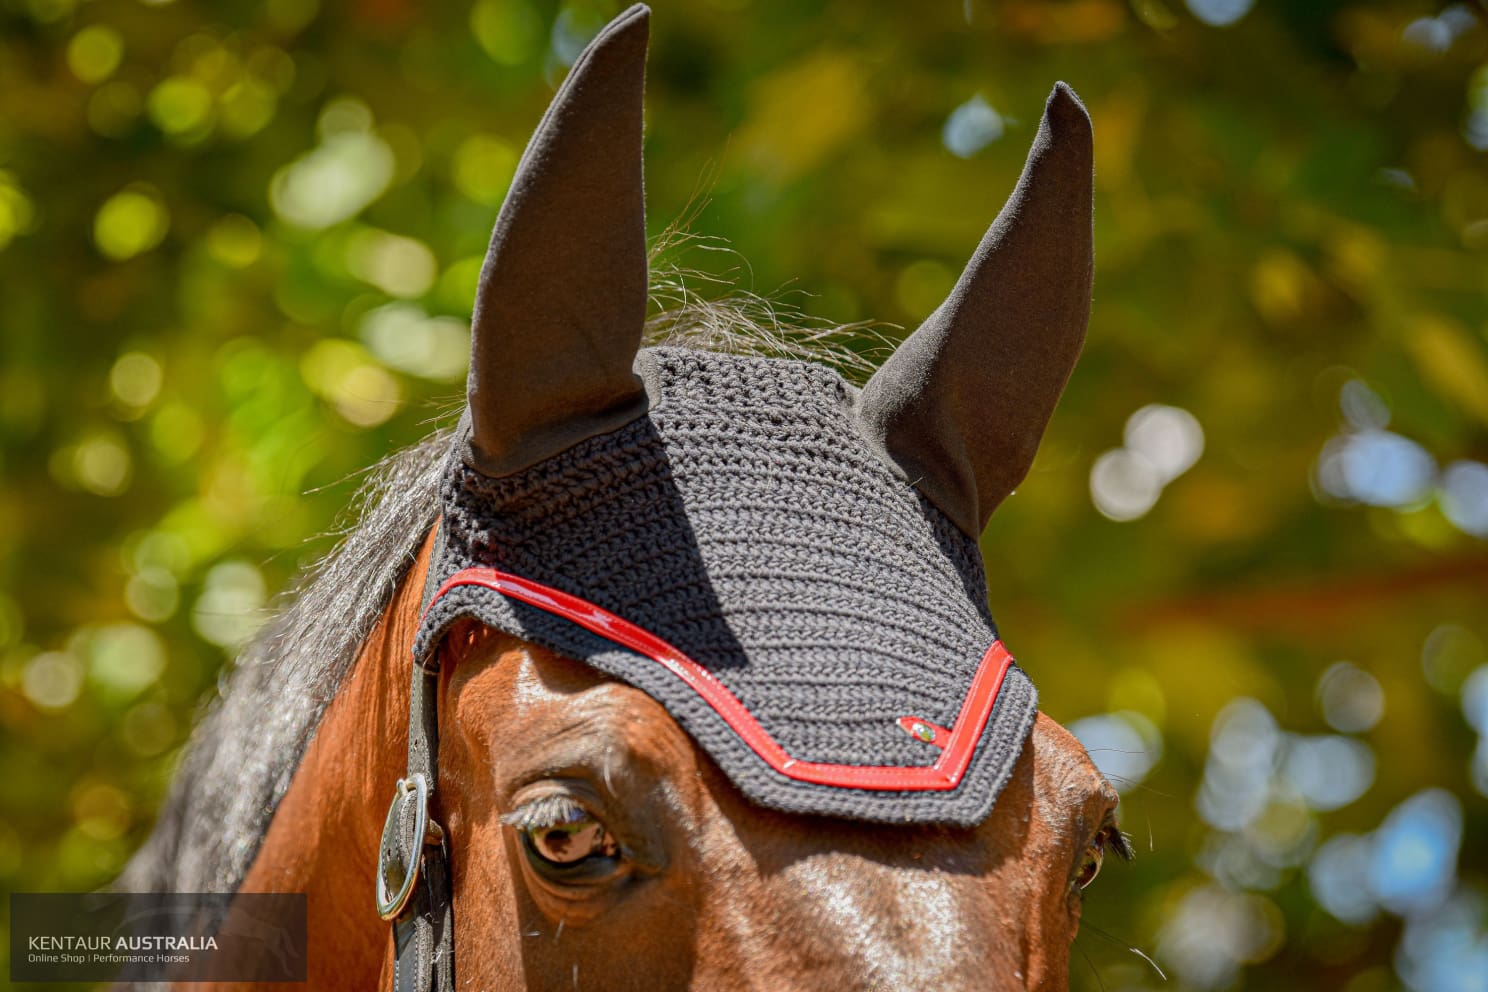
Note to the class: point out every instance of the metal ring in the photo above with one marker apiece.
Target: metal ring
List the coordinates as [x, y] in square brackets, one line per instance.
[415, 787]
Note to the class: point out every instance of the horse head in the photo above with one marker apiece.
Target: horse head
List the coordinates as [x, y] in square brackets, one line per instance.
[706, 693]
[778, 523]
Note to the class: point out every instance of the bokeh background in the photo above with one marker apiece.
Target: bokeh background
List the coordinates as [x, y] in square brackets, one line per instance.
[238, 246]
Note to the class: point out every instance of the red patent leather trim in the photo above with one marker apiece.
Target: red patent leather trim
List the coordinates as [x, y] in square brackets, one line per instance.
[943, 775]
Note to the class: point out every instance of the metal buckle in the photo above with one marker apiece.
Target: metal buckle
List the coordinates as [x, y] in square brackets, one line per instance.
[397, 866]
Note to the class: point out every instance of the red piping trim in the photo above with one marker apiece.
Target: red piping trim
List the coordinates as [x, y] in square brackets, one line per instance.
[943, 775]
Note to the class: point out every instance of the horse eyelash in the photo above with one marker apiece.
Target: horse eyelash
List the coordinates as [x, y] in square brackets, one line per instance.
[1118, 842]
[544, 812]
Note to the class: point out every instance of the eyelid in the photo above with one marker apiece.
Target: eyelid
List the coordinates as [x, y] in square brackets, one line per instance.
[1107, 839]
[1081, 854]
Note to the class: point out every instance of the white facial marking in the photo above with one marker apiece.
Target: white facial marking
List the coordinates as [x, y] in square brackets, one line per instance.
[906, 932]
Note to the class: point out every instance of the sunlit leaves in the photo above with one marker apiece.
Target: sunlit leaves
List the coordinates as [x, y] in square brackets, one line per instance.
[235, 241]
[113, 109]
[94, 53]
[52, 680]
[359, 389]
[406, 338]
[399, 266]
[103, 811]
[130, 222]
[508, 30]
[230, 608]
[99, 464]
[482, 168]
[16, 212]
[1449, 653]
[124, 659]
[922, 285]
[135, 380]
[179, 105]
[334, 182]
[784, 134]
[291, 16]
[176, 431]
[1452, 361]
[350, 168]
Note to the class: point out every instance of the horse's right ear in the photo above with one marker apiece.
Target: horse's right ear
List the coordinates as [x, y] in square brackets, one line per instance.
[562, 297]
[959, 408]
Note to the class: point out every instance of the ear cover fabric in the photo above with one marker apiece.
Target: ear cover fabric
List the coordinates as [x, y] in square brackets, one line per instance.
[562, 297]
[744, 521]
[812, 547]
[960, 406]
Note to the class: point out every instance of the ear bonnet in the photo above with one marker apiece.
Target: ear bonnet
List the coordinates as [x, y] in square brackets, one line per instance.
[787, 563]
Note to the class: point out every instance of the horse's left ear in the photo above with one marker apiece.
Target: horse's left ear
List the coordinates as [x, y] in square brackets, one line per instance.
[562, 297]
[960, 406]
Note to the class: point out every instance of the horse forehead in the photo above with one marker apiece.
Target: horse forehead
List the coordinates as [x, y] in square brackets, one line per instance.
[1065, 775]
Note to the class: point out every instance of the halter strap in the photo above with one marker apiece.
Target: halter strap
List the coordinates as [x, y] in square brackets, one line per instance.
[413, 878]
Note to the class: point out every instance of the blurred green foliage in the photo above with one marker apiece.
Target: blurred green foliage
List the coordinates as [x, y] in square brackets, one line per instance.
[238, 246]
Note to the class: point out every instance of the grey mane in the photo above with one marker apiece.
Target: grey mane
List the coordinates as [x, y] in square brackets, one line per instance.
[246, 748]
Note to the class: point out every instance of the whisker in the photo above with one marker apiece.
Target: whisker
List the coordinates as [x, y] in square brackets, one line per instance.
[1093, 970]
[1121, 943]
[1143, 955]
[1135, 785]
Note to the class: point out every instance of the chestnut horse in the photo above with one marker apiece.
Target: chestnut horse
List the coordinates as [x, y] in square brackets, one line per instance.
[592, 843]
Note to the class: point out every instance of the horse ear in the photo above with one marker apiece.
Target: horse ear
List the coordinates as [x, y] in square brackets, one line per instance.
[960, 406]
[562, 297]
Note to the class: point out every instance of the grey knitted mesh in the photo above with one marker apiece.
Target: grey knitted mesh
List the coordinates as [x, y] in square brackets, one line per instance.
[745, 521]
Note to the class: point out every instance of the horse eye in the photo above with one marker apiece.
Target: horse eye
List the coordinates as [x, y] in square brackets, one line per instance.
[1091, 866]
[579, 837]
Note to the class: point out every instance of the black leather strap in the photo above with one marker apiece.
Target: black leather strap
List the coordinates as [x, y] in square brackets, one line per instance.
[423, 935]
